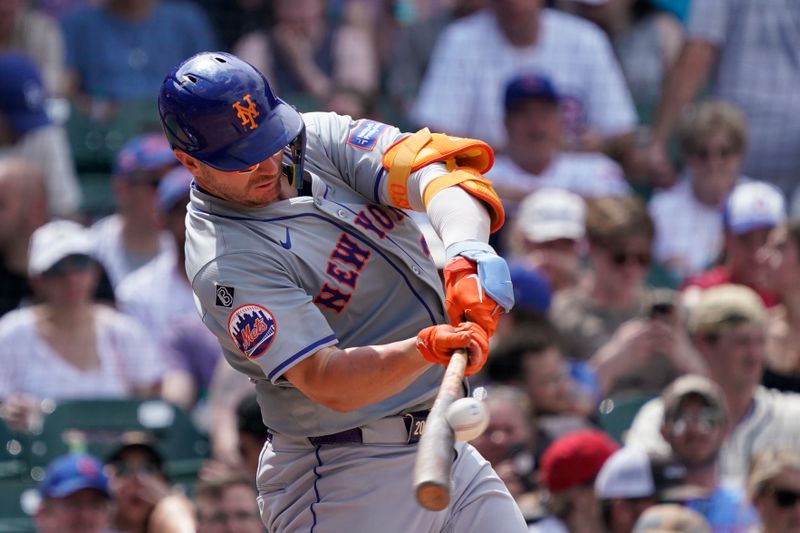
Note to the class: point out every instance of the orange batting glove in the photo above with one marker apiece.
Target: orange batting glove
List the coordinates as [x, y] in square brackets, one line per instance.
[466, 297]
[437, 344]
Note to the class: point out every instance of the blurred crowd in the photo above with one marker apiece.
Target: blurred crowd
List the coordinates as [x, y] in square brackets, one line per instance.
[648, 157]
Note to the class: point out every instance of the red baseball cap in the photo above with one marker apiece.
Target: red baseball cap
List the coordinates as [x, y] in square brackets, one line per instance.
[575, 459]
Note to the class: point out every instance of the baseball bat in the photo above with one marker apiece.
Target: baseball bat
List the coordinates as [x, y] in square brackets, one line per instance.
[435, 448]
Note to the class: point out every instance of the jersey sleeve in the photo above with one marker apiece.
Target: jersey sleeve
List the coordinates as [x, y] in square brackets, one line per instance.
[259, 311]
[708, 21]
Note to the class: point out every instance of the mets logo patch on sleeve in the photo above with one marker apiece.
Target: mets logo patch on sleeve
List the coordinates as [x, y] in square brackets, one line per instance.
[252, 328]
[366, 134]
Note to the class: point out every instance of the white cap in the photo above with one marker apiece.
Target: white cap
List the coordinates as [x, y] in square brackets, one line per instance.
[550, 214]
[754, 205]
[54, 241]
[626, 474]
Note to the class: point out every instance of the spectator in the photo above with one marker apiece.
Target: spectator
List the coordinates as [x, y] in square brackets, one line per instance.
[610, 318]
[118, 51]
[751, 211]
[133, 236]
[476, 56]
[227, 505]
[568, 469]
[534, 157]
[534, 363]
[774, 488]
[27, 132]
[23, 209]
[158, 295]
[74, 496]
[631, 481]
[532, 296]
[728, 329]
[35, 34]
[144, 501]
[315, 62]
[411, 51]
[695, 426]
[781, 256]
[671, 518]
[646, 40]
[509, 442]
[228, 388]
[69, 346]
[548, 233]
[688, 216]
[252, 433]
[750, 50]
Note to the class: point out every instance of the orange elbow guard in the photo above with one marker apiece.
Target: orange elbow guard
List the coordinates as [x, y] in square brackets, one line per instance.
[423, 148]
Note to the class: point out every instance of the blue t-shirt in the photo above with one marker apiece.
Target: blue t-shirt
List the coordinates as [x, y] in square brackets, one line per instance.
[726, 509]
[123, 60]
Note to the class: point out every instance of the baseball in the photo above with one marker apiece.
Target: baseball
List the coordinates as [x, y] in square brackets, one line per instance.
[468, 417]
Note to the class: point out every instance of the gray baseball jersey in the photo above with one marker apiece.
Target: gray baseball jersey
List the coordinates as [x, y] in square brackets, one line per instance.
[276, 284]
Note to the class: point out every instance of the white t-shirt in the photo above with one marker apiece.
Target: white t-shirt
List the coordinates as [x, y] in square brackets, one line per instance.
[590, 175]
[111, 252]
[463, 90]
[156, 294]
[30, 365]
[771, 423]
[689, 233]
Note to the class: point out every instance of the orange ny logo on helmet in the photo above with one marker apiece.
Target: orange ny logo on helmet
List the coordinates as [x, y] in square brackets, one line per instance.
[247, 114]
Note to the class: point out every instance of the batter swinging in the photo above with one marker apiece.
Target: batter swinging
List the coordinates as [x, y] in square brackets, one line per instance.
[328, 299]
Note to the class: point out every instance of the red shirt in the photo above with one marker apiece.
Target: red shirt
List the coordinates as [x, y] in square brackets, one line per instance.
[720, 276]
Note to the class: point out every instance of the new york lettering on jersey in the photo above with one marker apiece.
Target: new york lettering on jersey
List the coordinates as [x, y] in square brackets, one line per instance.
[348, 257]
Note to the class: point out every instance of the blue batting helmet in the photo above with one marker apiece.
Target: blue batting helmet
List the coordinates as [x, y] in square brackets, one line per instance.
[222, 111]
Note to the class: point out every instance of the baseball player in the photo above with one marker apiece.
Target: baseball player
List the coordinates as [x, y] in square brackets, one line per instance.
[328, 299]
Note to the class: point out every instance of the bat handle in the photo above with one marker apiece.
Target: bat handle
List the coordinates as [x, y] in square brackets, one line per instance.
[435, 448]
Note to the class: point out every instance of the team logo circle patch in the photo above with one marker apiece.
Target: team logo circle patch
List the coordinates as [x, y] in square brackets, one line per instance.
[252, 328]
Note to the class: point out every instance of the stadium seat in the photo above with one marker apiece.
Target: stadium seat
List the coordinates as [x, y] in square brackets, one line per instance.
[615, 415]
[95, 426]
[18, 502]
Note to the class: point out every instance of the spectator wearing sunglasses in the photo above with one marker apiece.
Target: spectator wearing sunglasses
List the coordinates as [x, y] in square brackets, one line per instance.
[607, 319]
[751, 211]
[728, 328]
[131, 237]
[69, 346]
[144, 500]
[695, 426]
[688, 216]
[774, 488]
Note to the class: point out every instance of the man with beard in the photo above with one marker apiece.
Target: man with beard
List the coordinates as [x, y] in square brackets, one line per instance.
[695, 427]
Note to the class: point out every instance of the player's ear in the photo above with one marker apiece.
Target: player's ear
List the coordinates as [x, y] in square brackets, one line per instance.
[192, 164]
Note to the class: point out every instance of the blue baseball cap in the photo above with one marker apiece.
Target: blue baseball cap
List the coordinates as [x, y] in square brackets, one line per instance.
[173, 187]
[530, 87]
[70, 473]
[532, 290]
[22, 95]
[148, 151]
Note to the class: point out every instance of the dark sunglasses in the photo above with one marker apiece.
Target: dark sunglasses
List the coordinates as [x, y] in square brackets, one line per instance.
[722, 153]
[785, 498]
[624, 258]
[126, 469]
[71, 263]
